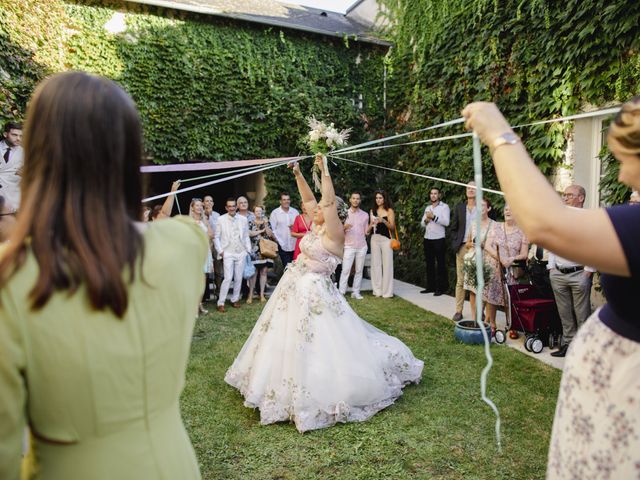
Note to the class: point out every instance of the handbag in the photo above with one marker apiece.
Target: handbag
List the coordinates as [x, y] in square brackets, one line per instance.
[249, 268]
[395, 243]
[268, 248]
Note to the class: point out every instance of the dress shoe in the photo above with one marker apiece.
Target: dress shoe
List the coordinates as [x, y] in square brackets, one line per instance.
[235, 304]
[456, 317]
[437, 294]
[357, 296]
[220, 308]
[562, 351]
[427, 290]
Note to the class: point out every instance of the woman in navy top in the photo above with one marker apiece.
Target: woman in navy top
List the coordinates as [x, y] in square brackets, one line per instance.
[596, 431]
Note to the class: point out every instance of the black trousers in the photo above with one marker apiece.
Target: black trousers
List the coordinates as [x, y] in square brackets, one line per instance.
[286, 257]
[434, 254]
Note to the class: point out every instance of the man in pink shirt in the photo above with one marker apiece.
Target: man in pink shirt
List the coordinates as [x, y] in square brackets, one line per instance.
[355, 246]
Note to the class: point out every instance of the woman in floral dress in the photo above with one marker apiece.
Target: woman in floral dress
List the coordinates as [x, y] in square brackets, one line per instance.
[259, 228]
[491, 234]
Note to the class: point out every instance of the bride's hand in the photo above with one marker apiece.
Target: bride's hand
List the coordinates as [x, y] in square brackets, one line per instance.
[319, 161]
[295, 167]
[486, 120]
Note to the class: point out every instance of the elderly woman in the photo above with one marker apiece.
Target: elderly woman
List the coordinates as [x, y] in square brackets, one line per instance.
[259, 228]
[310, 359]
[597, 423]
[96, 310]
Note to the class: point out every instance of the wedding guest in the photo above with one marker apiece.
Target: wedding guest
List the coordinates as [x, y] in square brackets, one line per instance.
[196, 212]
[11, 163]
[382, 223]
[159, 212]
[491, 235]
[281, 221]
[301, 226]
[595, 430]
[212, 218]
[434, 221]
[355, 246]
[514, 251]
[232, 244]
[243, 209]
[259, 229]
[95, 317]
[459, 231]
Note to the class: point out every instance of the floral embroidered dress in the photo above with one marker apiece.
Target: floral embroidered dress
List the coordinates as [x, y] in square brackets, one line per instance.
[310, 359]
[493, 234]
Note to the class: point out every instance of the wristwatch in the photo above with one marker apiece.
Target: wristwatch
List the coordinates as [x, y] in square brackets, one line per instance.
[507, 138]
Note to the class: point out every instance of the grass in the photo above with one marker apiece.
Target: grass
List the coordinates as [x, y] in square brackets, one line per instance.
[437, 429]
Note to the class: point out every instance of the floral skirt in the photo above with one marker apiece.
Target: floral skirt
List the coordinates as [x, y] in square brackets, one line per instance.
[596, 430]
[311, 360]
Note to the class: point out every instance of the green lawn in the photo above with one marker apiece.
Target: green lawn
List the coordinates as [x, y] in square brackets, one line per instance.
[437, 429]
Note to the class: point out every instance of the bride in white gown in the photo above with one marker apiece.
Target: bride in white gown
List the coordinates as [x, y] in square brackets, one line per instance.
[310, 358]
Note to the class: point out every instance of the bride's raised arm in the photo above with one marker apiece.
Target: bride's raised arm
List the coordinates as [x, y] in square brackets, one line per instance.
[306, 195]
[334, 228]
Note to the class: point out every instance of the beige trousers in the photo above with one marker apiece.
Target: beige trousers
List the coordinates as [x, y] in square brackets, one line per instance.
[381, 266]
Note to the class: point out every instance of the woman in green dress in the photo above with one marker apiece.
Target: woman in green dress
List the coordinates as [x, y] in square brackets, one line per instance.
[96, 310]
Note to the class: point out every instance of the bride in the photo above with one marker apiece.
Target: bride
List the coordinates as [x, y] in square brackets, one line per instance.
[310, 359]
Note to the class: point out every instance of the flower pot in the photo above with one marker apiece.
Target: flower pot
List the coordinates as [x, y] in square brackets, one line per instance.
[468, 331]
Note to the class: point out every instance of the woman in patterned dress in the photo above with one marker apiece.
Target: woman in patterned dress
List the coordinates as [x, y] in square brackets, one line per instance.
[259, 228]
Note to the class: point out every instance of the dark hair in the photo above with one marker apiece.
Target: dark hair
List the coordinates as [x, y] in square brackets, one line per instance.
[12, 126]
[386, 203]
[82, 155]
[230, 199]
[434, 188]
[155, 211]
[488, 202]
[284, 194]
[355, 192]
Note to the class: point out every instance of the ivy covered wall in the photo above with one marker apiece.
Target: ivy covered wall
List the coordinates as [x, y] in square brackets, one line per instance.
[537, 59]
[207, 88]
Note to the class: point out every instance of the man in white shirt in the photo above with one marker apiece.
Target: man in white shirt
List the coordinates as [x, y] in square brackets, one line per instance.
[11, 163]
[355, 246]
[213, 216]
[571, 282]
[281, 220]
[231, 239]
[435, 219]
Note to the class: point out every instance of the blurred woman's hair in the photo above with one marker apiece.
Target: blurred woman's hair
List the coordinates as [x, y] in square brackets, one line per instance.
[81, 191]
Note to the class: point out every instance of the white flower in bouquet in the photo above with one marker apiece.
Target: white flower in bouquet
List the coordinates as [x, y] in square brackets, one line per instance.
[322, 139]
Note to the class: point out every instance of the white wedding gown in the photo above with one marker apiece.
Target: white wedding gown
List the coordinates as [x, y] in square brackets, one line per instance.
[310, 359]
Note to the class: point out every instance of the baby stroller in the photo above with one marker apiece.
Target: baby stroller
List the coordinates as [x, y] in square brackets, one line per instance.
[531, 309]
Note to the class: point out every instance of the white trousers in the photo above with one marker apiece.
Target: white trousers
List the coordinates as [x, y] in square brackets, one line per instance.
[233, 269]
[351, 254]
[381, 266]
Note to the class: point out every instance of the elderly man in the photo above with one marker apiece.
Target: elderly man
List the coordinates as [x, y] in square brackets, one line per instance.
[11, 163]
[571, 282]
[281, 220]
[232, 243]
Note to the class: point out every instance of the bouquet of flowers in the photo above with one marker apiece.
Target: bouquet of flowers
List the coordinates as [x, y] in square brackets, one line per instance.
[322, 139]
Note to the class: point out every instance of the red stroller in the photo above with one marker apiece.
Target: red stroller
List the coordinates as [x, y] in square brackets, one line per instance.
[533, 312]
